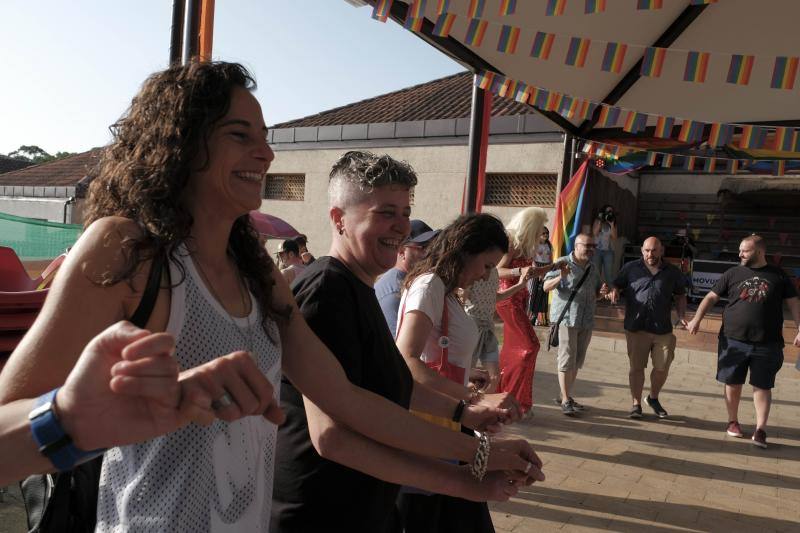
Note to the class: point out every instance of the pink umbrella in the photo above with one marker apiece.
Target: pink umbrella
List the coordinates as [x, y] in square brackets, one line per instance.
[272, 226]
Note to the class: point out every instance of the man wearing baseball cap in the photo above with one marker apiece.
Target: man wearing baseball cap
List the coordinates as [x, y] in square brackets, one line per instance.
[389, 286]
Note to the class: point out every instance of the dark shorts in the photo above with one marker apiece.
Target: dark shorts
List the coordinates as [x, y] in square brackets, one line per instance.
[737, 357]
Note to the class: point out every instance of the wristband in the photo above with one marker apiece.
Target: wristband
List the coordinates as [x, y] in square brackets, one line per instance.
[459, 412]
[53, 441]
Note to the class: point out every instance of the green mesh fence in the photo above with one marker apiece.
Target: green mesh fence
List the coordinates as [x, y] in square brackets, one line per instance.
[36, 239]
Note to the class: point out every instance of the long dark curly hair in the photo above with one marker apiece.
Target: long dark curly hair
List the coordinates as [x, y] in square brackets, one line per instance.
[143, 173]
[466, 236]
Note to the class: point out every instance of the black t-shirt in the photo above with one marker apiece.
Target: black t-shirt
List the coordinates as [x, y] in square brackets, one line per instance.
[312, 493]
[755, 302]
[648, 297]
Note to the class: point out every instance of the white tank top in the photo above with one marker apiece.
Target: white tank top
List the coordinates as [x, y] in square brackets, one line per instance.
[215, 478]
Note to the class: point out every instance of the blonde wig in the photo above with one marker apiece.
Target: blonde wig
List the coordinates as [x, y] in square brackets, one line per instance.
[525, 228]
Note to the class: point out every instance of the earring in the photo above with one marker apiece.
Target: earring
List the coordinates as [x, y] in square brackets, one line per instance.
[341, 230]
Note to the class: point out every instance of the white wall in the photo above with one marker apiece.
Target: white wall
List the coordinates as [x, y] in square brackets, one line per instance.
[50, 209]
[441, 171]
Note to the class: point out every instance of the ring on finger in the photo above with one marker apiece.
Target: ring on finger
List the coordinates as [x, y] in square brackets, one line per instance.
[223, 401]
[528, 468]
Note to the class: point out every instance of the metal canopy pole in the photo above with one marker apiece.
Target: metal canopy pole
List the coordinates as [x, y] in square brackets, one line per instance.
[206, 33]
[475, 141]
[176, 33]
[191, 31]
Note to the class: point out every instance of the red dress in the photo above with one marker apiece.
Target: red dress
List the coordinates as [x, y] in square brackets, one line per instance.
[520, 343]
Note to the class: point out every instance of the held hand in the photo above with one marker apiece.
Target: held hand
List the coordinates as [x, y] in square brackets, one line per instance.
[693, 326]
[614, 295]
[525, 274]
[682, 321]
[495, 487]
[516, 455]
[479, 378]
[564, 268]
[482, 418]
[604, 290]
[797, 340]
[503, 400]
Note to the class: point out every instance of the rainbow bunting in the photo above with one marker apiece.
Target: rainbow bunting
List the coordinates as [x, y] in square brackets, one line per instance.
[475, 10]
[569, 205]
[542, 44]
[576, 54]
[651, 158]
[779, 168]
[415, 15]
[444, 24]
[484, 79]
[508, 7]
[442, 6]
[787, 140]
[567, 106]
[609, 116]
[594, 6]
[702, 2]
[696, 67]
[710, 164]
[586, 109]
[497, 83]
[555, 7]
[476, 31]
[666, 161]
[507, 88]
[752, 137]
[649, 4]
[522, 93]
[664, 127]
[653, 61]
[635, 122]
[507, 43]
[591, 148]
[691, 131]
[553, 101]
[689, 161]
[784, 72]
[734, 166]
[740, 68]
[539, 97]
[720, 134]
[614, 57]
[382, 9]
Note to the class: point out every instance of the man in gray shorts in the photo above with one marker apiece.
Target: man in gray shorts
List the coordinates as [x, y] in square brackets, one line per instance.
[575, 329]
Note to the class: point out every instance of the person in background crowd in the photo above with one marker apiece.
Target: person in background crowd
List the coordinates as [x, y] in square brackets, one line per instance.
[650, 285]
[604, 230]
[520, 343]
[751, 337]
[575, 329]
[328, 477]
[389, 285]
[305, 255]
[289, 255]
[538, 300]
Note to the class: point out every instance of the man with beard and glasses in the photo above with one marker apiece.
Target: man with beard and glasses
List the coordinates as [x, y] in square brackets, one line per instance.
[650, 284]
[751, 335]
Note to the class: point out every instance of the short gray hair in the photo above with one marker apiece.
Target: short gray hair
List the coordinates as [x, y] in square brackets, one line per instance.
[356, 174]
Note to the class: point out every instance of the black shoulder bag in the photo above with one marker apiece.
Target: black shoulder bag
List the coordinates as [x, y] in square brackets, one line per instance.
[552, 338]
[66, 502]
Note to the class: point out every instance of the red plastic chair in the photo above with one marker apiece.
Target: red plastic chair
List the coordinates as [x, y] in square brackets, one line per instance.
[13, 276]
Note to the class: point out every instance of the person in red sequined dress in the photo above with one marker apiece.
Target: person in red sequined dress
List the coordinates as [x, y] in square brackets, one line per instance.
[520, 344]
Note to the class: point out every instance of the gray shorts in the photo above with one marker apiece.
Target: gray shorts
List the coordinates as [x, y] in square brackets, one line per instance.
[572, 346]
[488, 349]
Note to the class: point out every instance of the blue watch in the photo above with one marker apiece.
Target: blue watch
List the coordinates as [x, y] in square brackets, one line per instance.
[53, 441]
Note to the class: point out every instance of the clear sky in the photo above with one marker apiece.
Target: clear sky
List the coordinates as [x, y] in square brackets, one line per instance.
[69, 69]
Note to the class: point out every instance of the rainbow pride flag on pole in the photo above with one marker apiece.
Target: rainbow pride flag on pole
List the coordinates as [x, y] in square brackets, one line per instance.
[567, 224]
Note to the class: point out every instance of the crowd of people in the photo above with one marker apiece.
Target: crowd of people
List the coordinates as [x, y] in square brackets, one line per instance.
[340, 392]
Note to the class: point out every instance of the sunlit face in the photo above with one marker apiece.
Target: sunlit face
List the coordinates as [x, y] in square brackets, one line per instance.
[651, 252]
[478, 266]
[375, 228]
[584, 248]
[411, 255]
[749, 254]
[238, 158]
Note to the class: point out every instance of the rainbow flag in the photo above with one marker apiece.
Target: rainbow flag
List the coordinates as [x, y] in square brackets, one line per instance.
[382, 9]
[497, 83]
[542, 44]
[415, 15]
[702, 2]
[651, 158]
[653, 61]
[666, 161]
[522, 93]
[614, 57]
[691, 131]
[734, 166]
[442, 6]
[576, 54]
[507, 43]
[586, 109]
[696, 67]
[567, 224]
[784, 72]
[539, 97]
[689, 161]
[594, 6]
[752, 137]
[635, 122]
[553, 101]
[649, 4]
[555, 7]
[720, 134]
[779, 168]
[568, 106]
[484, 79]
[787, 140]
[664, 127]
[740, 68]
[507, 88]
[444, 24]
[508, 7]
[710, 164]
[476, 31]
[609, 116]
[475, 10]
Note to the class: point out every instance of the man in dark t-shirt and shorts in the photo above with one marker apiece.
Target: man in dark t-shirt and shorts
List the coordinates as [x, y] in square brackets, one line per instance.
[751, 336]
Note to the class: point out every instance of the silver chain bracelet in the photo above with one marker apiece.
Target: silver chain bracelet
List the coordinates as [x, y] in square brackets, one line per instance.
[481, 463]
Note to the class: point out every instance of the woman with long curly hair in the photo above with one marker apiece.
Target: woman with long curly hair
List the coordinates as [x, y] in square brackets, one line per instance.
[520, 344]
[168, 210]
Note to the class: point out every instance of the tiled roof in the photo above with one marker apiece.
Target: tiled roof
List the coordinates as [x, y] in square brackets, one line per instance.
[65, 172]
[7, 164]
[445, 98]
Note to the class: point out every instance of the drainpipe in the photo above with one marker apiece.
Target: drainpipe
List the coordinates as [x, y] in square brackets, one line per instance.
[70, 201]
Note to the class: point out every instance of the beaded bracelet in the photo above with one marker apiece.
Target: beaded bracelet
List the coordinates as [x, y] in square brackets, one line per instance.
[481, 462]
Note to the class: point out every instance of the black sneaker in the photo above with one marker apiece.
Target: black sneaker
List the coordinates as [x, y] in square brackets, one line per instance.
[576, 405]
[636, 411]
[655, 406]
[568, 409]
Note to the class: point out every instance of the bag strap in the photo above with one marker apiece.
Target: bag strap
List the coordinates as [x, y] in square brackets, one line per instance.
[140, 317]
[572, 294]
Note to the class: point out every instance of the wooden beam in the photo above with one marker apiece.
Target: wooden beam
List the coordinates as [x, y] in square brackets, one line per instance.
[206, 36]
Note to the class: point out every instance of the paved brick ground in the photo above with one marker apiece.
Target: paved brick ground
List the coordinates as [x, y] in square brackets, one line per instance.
[605, 471]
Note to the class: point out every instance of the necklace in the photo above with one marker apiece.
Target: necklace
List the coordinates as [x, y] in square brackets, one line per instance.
[248, 340]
